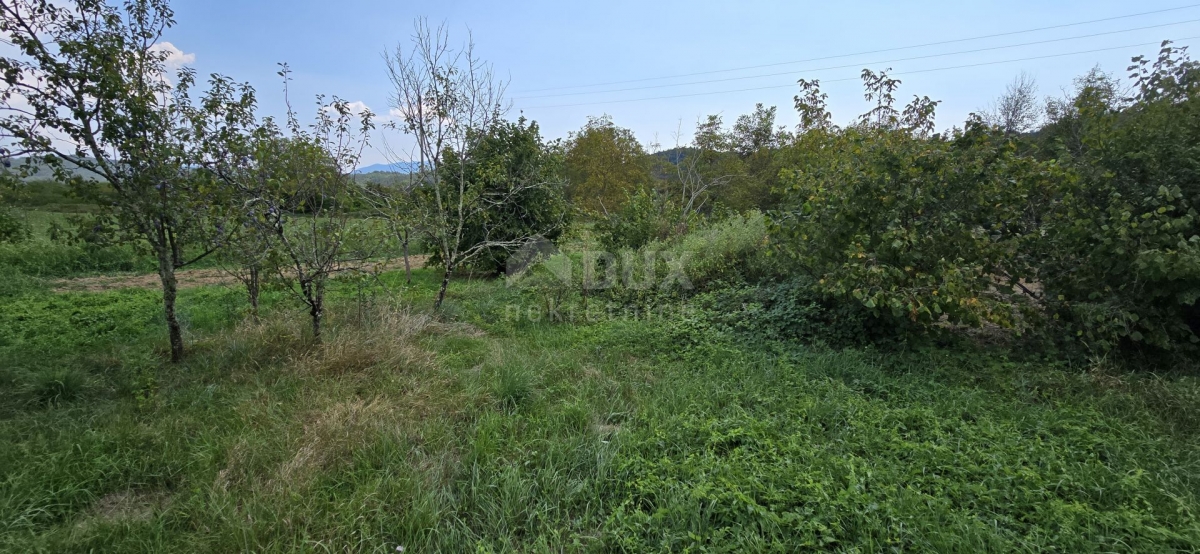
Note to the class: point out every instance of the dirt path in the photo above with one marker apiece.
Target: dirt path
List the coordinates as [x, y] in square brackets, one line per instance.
[187, 278]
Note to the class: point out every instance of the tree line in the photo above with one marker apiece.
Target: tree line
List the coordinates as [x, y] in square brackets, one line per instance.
[1075, 219]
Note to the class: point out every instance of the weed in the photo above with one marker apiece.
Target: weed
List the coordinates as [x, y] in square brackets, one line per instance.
[57, 386]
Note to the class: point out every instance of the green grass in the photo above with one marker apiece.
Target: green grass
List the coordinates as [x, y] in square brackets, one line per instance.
[51, 196]
[39, 222]
[41, 258]
[477, 432]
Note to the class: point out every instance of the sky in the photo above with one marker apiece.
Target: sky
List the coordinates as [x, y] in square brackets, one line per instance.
[542, 47]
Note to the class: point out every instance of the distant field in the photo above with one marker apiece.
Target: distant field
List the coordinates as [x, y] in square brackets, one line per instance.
[42, 257]
[51, 196]
[40, 222]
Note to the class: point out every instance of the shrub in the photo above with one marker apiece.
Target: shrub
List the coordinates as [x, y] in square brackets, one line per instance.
[1120, 257]
[13, 228]
[645, 217]
[914, 227]
[793, 310]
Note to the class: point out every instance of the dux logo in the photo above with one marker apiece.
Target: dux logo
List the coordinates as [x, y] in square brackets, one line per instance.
[539, 250]
[600, 270]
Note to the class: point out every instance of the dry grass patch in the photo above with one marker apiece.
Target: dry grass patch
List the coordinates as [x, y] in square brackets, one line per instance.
[332, 434]
[129, 505]
[386, 339]
[125, 506]
[369, 380]
[254, 344]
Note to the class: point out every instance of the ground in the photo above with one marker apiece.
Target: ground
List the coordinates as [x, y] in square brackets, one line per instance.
[189, 278]
[480, 430]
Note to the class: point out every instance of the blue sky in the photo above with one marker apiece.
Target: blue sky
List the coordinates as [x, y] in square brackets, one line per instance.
[336, 48]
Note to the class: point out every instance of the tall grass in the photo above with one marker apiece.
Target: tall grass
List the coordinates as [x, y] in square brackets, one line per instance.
[471, 431]
[41, 259]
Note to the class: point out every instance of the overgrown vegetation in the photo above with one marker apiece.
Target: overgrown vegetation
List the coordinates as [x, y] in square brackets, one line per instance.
[869, 337]
[490, 432]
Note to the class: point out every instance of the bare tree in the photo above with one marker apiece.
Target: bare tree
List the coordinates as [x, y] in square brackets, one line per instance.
[447, 99]
[701, 171]
[1018, 110]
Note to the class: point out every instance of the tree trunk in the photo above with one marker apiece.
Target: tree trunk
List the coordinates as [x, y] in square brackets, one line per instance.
[407, 269]
[442, 292]
[316, 308]
[166, 273]
[315, 312]
[252, 289]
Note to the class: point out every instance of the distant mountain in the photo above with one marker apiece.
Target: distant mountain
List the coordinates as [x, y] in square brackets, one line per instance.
[42, 172]
[399, 167]
[386, 178]
[675, 155]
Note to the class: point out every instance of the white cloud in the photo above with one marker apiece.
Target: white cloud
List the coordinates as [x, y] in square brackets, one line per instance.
[176, 58]
[355, 108]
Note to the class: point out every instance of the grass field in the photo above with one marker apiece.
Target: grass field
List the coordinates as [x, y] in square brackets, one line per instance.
[481, 431]
[44, 258]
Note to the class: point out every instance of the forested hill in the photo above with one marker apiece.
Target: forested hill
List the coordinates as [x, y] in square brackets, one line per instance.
[41, 170]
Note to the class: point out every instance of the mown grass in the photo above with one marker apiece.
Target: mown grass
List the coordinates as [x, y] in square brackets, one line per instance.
[477, 431]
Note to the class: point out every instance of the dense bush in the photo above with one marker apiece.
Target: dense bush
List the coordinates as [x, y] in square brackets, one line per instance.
[1088, 226]
[792, 310]
[915, 227]
[13, 229]
[644, 217]
[519, 178]
[1120, 253]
